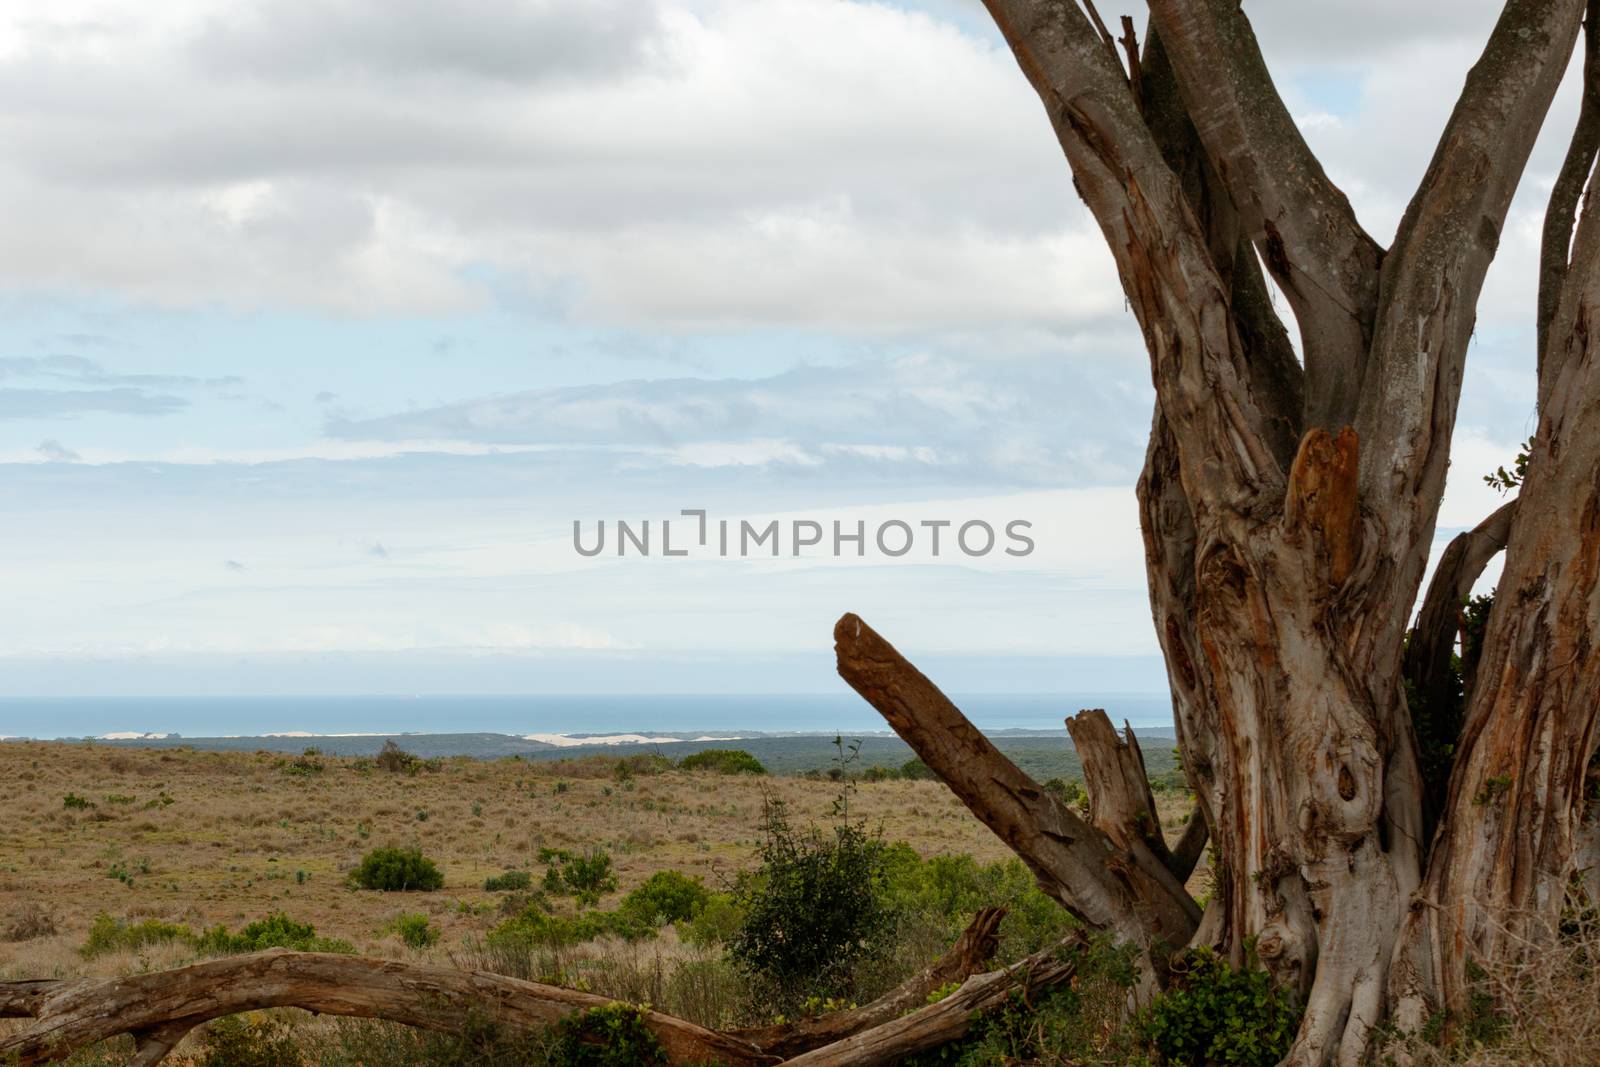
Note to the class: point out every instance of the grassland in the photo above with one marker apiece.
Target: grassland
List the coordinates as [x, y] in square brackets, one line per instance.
[203, 838]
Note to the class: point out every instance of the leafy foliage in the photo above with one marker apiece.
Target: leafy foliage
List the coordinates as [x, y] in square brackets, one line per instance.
[667, 897]
[117, 935]
[275, 931]
[415, 930]
[513, 881]
[390, 869]
[253, 1040]
[396, 760]
[1212, 1014]
[813, 908]
[614, 1035]
[722, 761]
[587, 876]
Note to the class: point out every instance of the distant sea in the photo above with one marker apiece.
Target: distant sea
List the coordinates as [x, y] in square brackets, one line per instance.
[54, 717]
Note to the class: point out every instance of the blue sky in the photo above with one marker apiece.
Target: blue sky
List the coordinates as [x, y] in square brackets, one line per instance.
[320, 322]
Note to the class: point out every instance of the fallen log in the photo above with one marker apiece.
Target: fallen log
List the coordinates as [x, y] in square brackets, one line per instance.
[160, 1007]
[971, 952]
[949, 1019]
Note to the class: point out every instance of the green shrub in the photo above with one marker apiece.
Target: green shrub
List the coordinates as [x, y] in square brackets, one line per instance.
[639, 765]
[483, 1042]
[813, 908]
[254, 1040]
[722, 761]
[915, 770]
[275, 931]
[302, 766]
[509, 881]
[74, 801]
[396, 760]
[614, 1035]
[391, 869]
[717, 924]
[666, 897]
[415, 931]
[117, 935]
[1212, 1014]
[587, 876]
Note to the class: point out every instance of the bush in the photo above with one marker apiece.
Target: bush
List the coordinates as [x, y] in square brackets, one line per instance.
[391, 869]
[639, 765]
[914, 770]
[396, 760]
[613, 1035]
[31, 921]
[718, 923]
[722, 761]
[117, 935]
[666, 897]
[1213, 1014]
[73, 801]
[813, 909]
[587, 877]
[254, 1040]
[415, 931]
[275, 931]
[510, 881]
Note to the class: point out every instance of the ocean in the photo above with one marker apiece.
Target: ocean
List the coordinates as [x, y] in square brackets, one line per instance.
[53, 717]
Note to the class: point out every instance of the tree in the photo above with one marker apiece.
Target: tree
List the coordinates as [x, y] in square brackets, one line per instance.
[1288, 503]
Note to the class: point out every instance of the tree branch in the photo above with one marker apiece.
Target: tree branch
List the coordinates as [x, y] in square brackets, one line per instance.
[1173, 286]
[81, 1012]
[946, 1020]
[1105, 886]
[1300, 221]
[1120, 803]
[967, 957]
[1434, 272]
[1556, 240]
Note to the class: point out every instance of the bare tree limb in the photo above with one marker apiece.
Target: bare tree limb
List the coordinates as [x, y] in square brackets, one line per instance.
[946, 1020]
[967, 957]
[1186, 853]
[1105, 886]
[1306, 231]
[81, 1012]
[1120, 803]
[1434, 272]
[1202, 374]
[1560, 212]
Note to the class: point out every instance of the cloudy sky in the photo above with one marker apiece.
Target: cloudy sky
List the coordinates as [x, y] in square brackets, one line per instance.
[322, 320]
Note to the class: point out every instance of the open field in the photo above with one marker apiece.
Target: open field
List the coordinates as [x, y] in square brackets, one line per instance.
[204, 838]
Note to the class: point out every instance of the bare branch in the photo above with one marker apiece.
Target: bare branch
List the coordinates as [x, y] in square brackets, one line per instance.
[1302, 223]
[946, 1020]
[1433, 274]
[1186, 853]
[1105, 886]
[967, 957]
[1562, 209]
[1183, 305]
[1120, 803]
[82, 1012]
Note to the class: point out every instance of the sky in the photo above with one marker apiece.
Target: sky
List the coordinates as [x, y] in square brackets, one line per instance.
[323, 321]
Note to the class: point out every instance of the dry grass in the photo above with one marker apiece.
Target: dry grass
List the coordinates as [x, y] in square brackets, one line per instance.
[1547, 1009]
[221, 837]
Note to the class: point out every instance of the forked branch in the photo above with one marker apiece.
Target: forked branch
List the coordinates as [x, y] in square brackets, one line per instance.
[1108, 887]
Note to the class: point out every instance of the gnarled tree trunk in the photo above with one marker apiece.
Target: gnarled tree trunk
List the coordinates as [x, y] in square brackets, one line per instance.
[1288, 505]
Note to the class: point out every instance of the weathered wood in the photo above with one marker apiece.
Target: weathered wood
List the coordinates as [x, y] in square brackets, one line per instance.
[1120, 803]
[947, 1020]
[154, 1006]
[1074, 862]
[967, 957]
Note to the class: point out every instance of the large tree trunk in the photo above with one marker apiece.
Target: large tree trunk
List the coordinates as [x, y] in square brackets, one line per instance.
[1288, 509]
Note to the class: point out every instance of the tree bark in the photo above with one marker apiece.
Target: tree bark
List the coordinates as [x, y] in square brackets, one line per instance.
[158, 1007]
